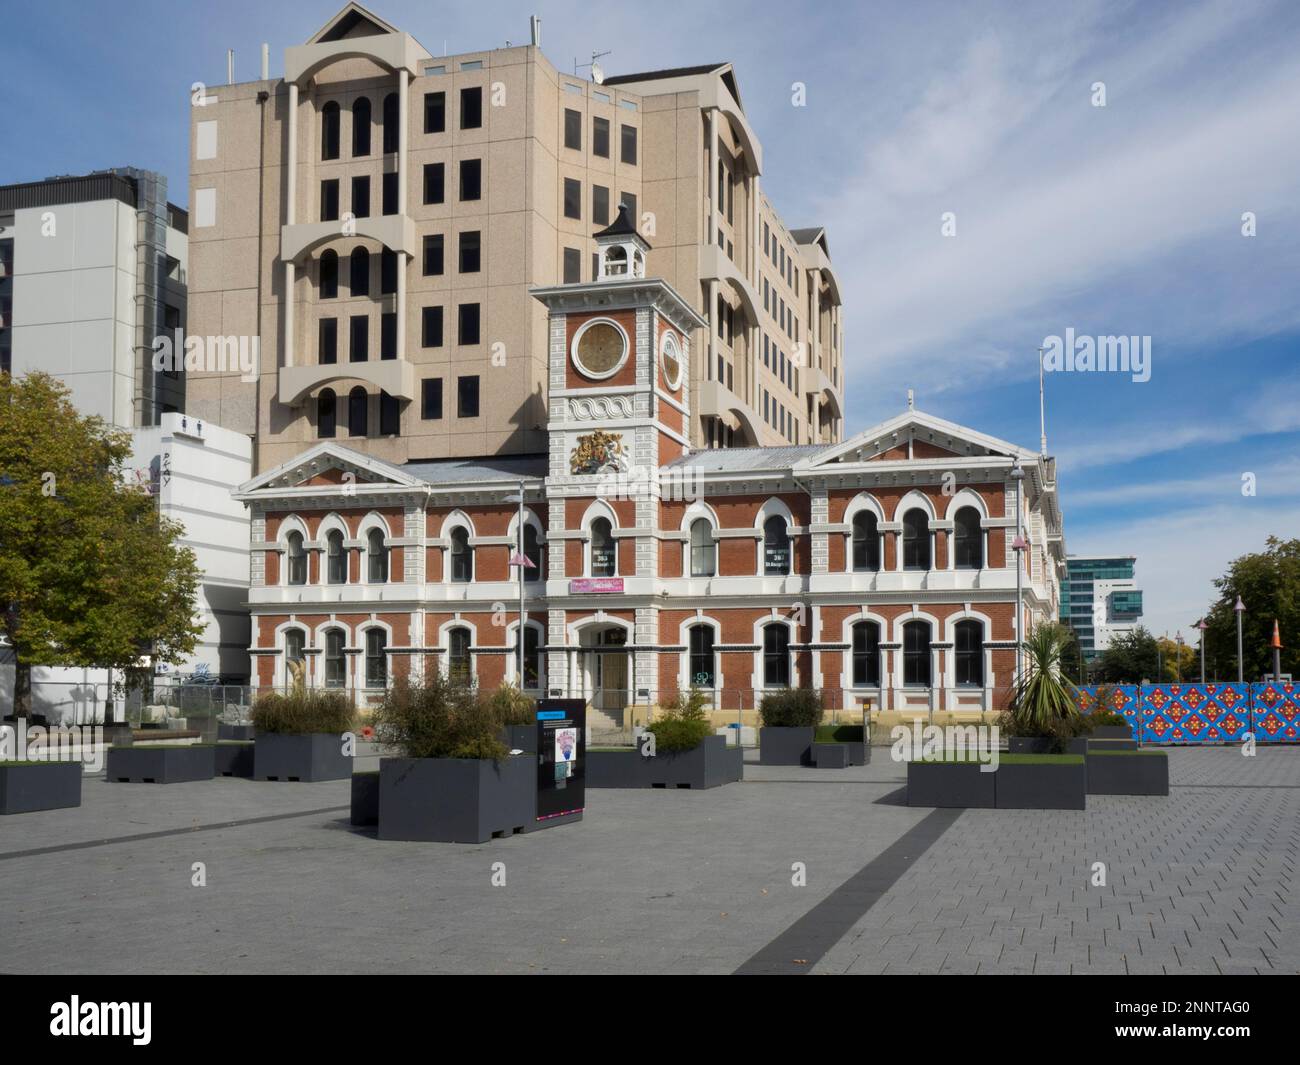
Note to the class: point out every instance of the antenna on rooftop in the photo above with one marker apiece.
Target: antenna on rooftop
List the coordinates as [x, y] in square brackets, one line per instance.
[597, 74]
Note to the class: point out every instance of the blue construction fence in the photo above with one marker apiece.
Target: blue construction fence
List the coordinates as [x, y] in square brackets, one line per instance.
[1202, 713]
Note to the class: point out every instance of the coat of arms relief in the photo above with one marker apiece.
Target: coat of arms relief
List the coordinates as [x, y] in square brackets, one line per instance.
[598, 452]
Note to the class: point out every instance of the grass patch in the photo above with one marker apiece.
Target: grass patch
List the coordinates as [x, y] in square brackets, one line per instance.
[222, 743]
[161, 746]
[838, 734]
[1114, 754]
[14, 765]
[609, 750]
[1041, 759]
[366, 773]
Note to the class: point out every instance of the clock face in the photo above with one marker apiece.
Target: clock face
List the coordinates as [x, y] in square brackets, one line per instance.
[600, 349]
[672, 362]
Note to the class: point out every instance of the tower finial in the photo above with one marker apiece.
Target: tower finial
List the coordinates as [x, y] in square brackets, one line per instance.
[911, 400]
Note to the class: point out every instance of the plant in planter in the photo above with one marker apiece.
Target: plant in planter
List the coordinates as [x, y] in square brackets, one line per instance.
[788, 718]
[517, 713]
[851, 737]
[1042, 715]
[455, 781]
[300, 735]
[686, 752]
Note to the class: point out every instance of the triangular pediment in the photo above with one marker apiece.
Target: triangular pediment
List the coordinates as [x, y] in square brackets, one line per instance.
[915, 436]
[352, 21]
[328, 465]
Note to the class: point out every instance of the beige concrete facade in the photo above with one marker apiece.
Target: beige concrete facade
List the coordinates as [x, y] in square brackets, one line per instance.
[770, 362]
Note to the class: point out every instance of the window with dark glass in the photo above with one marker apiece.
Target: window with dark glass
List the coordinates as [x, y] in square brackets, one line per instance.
[572, 129]
[604, 555]
[776, 656]
[392, 118]
[458, 663]
[969, 539]
[431, 327]
[431, 398]
[471, 108]
[628, 144]
[358, 412]
[329, 200]
[336, 561]
[700, 642]
[433, 255]
[360, 126]
[435, 182]
[533, 552]
[776, 547]
[435, 112]
[329, 131]
[968, 653]
[388, 335]
[359, 338]
[297, 559]
[326, 413]
[361, 196]
[704, 553]
[599, 205]
[916, 540]
[600, 137]
[467, 323]
[390, 193]
[462, 556]
[572, 266]
[327, 341]
[390, 415]
[376, 659]
[470, 252]
[471, 179]
[467, 397]
[532, 657]
[376, 557]
[359, 272]
[328, 286]
[916, 653]
[572, 198]
[629, 198]
[866, 655]
[866, 542]
[387, 272]
[294, 642]
[335, 668]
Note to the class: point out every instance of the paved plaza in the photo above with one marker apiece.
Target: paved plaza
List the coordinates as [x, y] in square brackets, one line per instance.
[670, 881]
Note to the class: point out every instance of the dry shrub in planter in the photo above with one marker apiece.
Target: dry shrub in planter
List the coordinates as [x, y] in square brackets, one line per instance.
[437, 718]
[512, 706]
[791, 708]
[682, 724]
[303, 711]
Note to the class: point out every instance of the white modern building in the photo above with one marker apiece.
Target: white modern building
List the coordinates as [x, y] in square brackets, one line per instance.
[1100, 600]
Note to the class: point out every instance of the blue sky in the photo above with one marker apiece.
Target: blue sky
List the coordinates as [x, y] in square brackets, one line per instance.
[1116, 220]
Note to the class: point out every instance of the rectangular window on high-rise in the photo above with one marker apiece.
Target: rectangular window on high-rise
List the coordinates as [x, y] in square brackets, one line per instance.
[435, 112]
[431, 327]
[572, 266]
[361, 196]
[471, 179]
[471, 108]
[435, 182]
[327, 343]
[388, 335]
[628, 144]
[599, 205]
[329, 200]
[467, 397]
[433, 255]
[629, 198]
[359, 338]
[467, 323]
[431, 399]
[600, 137]
[390, 193]
[470, 252]
[572, 129]
[572, 198]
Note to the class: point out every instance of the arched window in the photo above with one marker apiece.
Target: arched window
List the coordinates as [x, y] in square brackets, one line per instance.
[968, 653]
[533, 552]
[969, 539]
[336, 562]
[329, 274]
[377, 556]
[361, 126]
[326, 413]
[604, 553]
[391, 117]
[866, 543]
[358, 411]
[458, 662]
[702, 671]
[359, 272]
[776, 547]
[294, 642]
[376, 659]
[916, 540]
[335, 667]
[462, 556]
[866, 655]
[329, 131]
[776, 656]
[297, 559]
[704, 554]
[916, 654]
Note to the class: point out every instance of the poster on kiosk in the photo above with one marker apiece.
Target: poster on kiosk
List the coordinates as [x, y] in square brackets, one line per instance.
[561, 749]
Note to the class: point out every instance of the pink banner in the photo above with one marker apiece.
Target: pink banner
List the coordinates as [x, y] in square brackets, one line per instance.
[599, 585]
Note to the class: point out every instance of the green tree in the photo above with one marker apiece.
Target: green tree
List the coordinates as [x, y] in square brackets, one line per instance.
[1130, 658]
[90, 574]
[1269, 584]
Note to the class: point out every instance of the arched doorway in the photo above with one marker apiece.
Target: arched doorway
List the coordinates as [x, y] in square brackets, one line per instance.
[605, 669]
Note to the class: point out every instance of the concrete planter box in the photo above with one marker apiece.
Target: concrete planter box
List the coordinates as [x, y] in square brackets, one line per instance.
[234, 732]
[26, 787]
[144, 763]
[958, 785]
[830, 755]
[785, 746]
[850, 736]
[1058, 784]
[365, 798]
[311, 757]
[1104, 744]
[118, 735]
[456, 800]
[710, 765]
[1125, 773]
[520, 737]
[1112, 732]
[234, 758]
[1042, 745]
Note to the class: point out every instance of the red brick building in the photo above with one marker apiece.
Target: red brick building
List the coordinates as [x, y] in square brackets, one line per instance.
[883, 567]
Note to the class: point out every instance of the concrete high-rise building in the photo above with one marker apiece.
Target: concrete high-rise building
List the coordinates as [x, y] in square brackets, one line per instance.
[1100, 600]
[92, 270]
[378, 216]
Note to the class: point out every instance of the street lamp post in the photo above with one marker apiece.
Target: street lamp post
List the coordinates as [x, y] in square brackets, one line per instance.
[1240, 609]
[520, 560]
[1202, 626]
[1178, 659]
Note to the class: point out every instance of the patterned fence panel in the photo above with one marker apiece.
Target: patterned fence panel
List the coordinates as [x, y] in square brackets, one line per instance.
[1119, 698]
[1276, 712]
[1195, 713]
